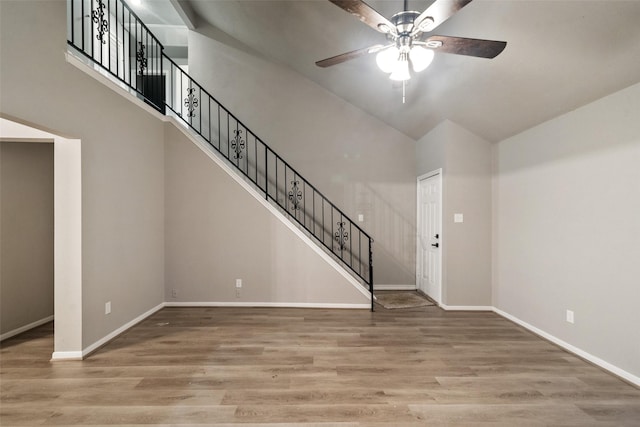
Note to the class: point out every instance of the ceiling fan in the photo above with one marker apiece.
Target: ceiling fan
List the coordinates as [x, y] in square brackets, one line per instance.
[410, 41]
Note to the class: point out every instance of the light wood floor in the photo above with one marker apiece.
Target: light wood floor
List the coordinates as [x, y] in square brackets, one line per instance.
[303, 367]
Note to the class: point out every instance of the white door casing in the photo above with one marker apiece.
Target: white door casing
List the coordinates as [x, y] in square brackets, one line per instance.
[429, 236]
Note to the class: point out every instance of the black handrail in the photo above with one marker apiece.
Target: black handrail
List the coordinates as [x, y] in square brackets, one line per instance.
[114, 30]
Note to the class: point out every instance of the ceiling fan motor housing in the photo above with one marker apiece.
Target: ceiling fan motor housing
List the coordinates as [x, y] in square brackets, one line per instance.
[403, 21]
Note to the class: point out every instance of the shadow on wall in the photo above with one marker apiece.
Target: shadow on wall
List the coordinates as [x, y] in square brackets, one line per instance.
[394, 233]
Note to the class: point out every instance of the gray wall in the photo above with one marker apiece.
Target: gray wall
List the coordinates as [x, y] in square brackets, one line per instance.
[359, 163]
[216, 232]
[567, 227]
[466, 188]
[26, 234]
[122, 162]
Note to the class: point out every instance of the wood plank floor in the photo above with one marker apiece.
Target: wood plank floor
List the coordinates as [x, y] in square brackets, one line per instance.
[312, 367]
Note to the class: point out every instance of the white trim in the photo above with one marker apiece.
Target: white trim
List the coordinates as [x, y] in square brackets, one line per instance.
[436, 172]
[396, 287]
[66, 355]
[25, 328]
[627, 376]
[269, 304]
[466, 307]
[102, 341]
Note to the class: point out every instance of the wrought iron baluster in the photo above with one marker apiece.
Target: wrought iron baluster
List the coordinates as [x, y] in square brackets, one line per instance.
[129, 56]
[141, 58]
[237, 144]
[341, 236]
[255, 154]
[82, 24]
[295, 195]
[191, 101]
[351, 245]
[109, 37]
[102, 25]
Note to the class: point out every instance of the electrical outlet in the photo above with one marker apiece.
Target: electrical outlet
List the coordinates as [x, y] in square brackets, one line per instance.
[174, 293]
[570, 318]
[107, 307]
[238, 283]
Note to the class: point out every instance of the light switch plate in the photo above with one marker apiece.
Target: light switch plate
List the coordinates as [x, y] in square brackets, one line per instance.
[458, 217]
[360, 217]
[570, 316]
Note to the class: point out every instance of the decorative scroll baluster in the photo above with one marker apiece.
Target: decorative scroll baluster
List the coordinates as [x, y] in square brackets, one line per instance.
[141, 58]
[237, 144]
[191, 102]
[295, 195]
[341, 236]
[97, 16]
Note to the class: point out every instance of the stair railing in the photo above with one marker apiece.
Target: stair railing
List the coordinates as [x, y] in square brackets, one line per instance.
[110, 34]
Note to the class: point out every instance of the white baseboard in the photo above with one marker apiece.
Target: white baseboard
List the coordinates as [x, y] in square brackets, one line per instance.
[25, 328]
[392, 287]
[627, 376]
[269, 304]
[466, 307]
[66, 355]
[102, 341]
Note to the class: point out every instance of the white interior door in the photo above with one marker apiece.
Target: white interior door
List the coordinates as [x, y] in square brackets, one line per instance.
[429, 251]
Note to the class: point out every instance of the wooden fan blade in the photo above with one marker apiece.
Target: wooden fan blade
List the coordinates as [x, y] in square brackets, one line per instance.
[438, 12]
[348, 56]
[366, 14]
[464, 46]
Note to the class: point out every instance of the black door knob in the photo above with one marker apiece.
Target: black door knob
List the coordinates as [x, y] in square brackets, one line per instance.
[435, 245]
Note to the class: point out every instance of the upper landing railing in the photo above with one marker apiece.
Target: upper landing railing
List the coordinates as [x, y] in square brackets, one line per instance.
[109, 33]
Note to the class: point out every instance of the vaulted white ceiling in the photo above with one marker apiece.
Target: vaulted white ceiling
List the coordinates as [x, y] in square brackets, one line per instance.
[561, 54]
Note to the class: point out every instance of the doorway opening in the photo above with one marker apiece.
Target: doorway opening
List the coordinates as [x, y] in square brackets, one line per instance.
[26, 236]
[67, 229]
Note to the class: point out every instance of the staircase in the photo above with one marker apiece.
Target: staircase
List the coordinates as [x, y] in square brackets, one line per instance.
[110, 35]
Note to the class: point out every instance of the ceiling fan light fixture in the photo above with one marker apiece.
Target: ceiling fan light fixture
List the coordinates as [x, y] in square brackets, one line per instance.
[387, 58]
[420, 58]
[401, 69]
